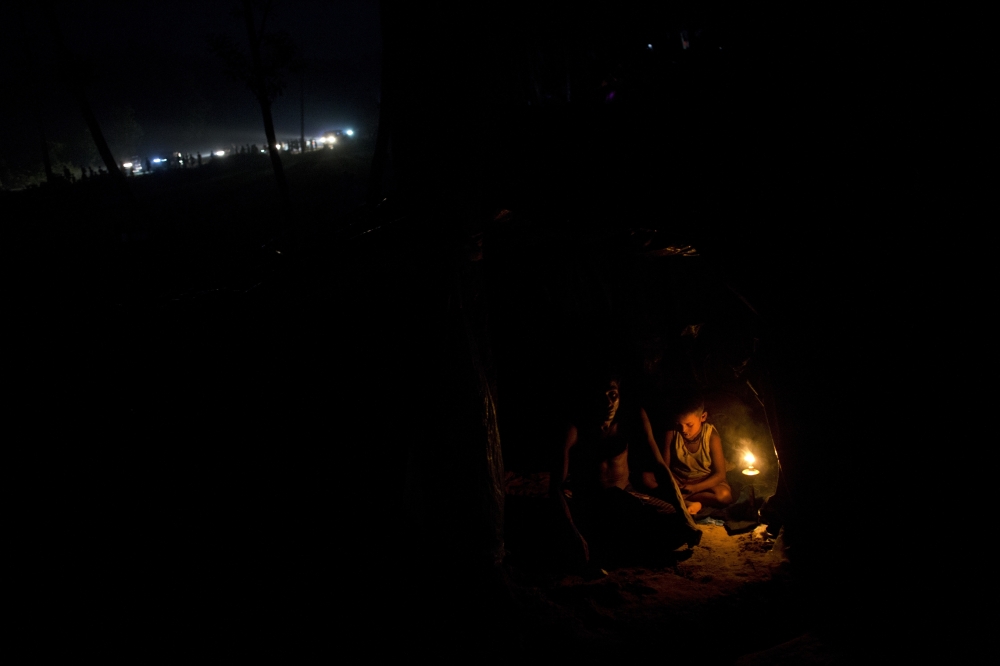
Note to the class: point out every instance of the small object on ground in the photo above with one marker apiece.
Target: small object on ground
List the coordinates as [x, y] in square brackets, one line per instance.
[594, 572]
[780, 548]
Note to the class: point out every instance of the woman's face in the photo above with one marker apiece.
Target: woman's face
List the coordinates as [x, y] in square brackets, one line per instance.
[609, 403]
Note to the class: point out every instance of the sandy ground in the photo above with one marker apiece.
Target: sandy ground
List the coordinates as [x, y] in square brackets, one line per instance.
[722, 601]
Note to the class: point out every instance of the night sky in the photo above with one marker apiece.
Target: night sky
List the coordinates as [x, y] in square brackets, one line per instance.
[156, 86]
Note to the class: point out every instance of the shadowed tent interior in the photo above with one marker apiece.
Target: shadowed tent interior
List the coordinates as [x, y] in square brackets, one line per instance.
[568, 275]
[631, 300]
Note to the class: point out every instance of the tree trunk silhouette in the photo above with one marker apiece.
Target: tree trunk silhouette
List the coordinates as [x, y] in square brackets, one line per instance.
[260, 90]
[66, 67]
[302, 115]
[45, 150]
[376, 180]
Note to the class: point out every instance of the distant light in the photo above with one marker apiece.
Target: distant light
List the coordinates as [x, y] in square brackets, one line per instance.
[219, 153]
[156, 160]
[349, 132]
[332, 139]
[262, 150]
[127, 165]
[649, 46]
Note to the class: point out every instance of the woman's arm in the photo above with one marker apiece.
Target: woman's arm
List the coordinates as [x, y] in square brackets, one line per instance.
[661, 467]
[671, 491]
[668, 441]
[557, 482]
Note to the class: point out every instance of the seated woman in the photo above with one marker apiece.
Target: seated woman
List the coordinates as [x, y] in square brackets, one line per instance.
[606, 511]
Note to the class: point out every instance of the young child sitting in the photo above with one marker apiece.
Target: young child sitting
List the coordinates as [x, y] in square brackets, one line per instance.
[693, 452]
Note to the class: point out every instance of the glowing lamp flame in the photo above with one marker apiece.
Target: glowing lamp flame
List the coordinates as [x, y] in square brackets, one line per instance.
[750, 471]
[749, 458]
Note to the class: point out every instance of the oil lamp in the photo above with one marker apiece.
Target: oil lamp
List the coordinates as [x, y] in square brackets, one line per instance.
[750, 471]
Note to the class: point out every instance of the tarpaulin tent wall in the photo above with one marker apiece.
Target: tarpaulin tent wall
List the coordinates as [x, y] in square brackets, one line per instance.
[495, 114]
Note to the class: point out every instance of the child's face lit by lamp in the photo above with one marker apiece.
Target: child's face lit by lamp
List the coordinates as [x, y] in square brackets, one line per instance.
[750, 471]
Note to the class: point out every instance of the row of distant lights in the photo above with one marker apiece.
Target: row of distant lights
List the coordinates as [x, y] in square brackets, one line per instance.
[333, 139]
[650, 47]
[157, 160]
[222, 153]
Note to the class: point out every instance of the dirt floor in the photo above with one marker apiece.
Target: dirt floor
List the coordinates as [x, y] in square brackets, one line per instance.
[720, 602]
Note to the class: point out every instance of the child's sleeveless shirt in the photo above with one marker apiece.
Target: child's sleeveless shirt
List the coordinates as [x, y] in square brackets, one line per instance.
[697, 465]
